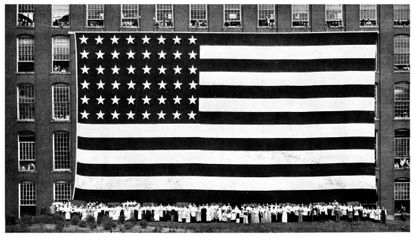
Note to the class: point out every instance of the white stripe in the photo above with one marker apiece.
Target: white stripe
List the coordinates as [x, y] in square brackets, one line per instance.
[286, 79]
[285, 104]
[288, 52]
[224, 157]
[225, 183]
[225, 131]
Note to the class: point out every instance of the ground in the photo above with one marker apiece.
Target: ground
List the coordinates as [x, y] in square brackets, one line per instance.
[344, 226]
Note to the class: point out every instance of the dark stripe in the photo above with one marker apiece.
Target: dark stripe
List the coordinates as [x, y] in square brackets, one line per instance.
[288, 65]
[331, 91]
[234, 197]
[225, 143]
[286, 117]
[225, 170]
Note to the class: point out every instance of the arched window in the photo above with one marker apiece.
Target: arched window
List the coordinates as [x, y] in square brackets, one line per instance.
[60, 54]
[27, 198]
[60, 102]
[61, 151]
[401, 151]
[401, 99]
[401, 52]
[25, 102]
[401, 15]
[401, 194]
[26, 151]
[62, 191]
[25, 54]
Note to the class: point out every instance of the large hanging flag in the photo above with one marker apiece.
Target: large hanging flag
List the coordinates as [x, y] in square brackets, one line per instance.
[225, 117]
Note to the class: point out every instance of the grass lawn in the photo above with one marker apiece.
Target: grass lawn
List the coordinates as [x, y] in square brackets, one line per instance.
[390, 226]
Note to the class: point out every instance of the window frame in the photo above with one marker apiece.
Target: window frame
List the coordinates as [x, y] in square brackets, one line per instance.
[404, 104]
[68, 54]
[292, 16]
[326, 16]
[271, 25]
[18, 12]
[408, 20]
[360, 15]
[87, 17]
[32, 193]
[18, 61]
[63, 103]
[401, 148]
[401, 197]
[67, 152]
[69, 16]
[405, 41]
[224, 17]
[29, 149]
[130, 18]
[29, 104]
[165, 23]
[198, 20]
[55, 190]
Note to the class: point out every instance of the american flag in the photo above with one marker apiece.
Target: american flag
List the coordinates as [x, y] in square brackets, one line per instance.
[225, 117]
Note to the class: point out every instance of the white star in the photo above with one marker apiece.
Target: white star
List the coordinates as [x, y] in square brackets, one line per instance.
[115, 100]
[192, 40]
[192, 100]
[100, 114]
[162, 54]
[191, 115]
[146, 100]
[99, 39]
[146, 54]
[177, 100]
[176, 115]
[115, 54]
[115, 84]
[177, 70]
[84, 70]
[177, 40]
[131, 84]
[146, 115]
[100, 70]
[84, 100]
[131, 100]
[130, 40]
[114, 39]
[85, 84]
[162, 99]
[161, 114]
[115, 69]
[131, 54]
[192, 55]
[162, 70]
[192, 70]
[162, 84]
[161, 39]
[100, 54]
[115, 114]
[84, 114]
[193, 85]
[177, 54]
[100, 100]
[130, 115]
[146, 85]
[177, 85]
[84, 54]
[131, 70]
[146, 39]
[146, 70]
[100, 84]
[83, 39]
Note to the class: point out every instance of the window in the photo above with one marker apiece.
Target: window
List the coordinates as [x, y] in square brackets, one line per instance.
[27, 198]
[25, 54]
[266, 15]
[401, 194]
[95, 15]
[164, 15]
[401, 95]
[62, 191]
[376, 147]
[25, 15]
[60, 54]
[368, 15]
[300, 15]
[401, 15]
[376, 101]
[26, 102]
[130, 15]
[401, 52]
[402, 149]
[198, 16]
[334, 15]
[61, 148]
[60, 15]
[60, 102]
[232, 15]
[26, 151]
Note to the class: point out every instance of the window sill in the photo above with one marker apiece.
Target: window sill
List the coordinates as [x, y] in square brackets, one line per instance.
[94, 27]
[61, 171]
[368, 27]
[401, 118]
[27, 120]
[23, 73]
[198, 27]
[401, 71]
[129, 27]
[60, 121]
[25, 27]
[27, 171]
[300, 26]
[60, 27]
[59, 73]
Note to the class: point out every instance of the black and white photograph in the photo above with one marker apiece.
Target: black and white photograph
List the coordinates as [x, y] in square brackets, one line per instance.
[206, 117]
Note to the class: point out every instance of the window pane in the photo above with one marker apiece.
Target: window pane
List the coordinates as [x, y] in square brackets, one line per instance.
[300, 15]
[60, 54]
[401, 52]
[27, 151]
[95, 15]
[401, 15]
[62, 191]
[402, 155]
[164, 15]
[26, 100]
[61, 102]
[401, 94]
[368, 15]
[61, 151]
[25, 15]
[334, 15]
[25, 54]
[266, 15]
[130, 15]
[401, 190]
[232, 15]
[27, 194]
[60, 15]
[198, 15]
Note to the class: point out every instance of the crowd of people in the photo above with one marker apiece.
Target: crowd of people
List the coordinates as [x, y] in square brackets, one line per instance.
[246, 213]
